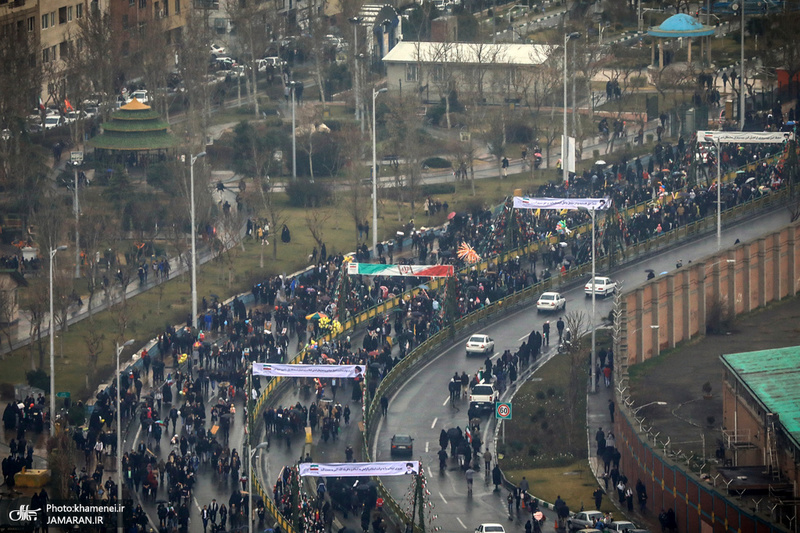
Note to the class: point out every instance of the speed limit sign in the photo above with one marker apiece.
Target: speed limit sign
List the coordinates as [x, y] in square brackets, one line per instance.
[502, 410]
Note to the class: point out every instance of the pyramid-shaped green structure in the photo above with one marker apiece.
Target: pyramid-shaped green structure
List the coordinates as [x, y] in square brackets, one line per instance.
[135, 127]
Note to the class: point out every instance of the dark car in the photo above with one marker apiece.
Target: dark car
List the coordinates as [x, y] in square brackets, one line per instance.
[402, 445]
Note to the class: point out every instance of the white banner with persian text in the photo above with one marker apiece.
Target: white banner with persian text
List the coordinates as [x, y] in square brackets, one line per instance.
[311, 371]
[754, 137]
[558, 204]
[386, 468]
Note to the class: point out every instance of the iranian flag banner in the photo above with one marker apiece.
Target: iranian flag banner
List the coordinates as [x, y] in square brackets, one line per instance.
[370, 269]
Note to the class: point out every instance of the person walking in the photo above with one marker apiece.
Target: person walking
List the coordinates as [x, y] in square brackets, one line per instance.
[560, 328]
[385, 406]
[546, 332]
[469, 474]
[487, 460]
[497, 478]
[611, 409]
[598, 498]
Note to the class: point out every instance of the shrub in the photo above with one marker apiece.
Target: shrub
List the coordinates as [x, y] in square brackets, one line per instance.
[518, 132]
[540, 395]
[533, 451]
[437, 162]
[39, 379]
[302, 193]
[551, 392]
[438, 188]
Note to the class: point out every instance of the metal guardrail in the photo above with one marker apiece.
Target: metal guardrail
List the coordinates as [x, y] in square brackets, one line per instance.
[500, 306]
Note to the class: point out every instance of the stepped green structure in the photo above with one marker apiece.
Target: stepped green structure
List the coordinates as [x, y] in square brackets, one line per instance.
[135, 130]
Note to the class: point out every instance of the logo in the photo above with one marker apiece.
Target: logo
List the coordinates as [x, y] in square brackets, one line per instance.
[313, 468]
[24, 513]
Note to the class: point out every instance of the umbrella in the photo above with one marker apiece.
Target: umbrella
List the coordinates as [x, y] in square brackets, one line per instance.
[600, 162]
[316, 316]
[423, 286]
[750, 179]
[665, 272]
[451, 216]
[537, 154]
[740, 171]
[563, 244]
[398, 310]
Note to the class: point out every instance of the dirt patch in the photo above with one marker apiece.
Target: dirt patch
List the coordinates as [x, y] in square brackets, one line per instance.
[677, 377]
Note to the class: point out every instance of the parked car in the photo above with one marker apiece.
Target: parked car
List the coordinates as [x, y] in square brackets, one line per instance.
[482, 344]
[53, 121]
[271, 61]
[583, 520]
[402, 445]
[483, 396]
[551, 302]
[602, 286]
[140, 95]
[490, 528]
[217, 50]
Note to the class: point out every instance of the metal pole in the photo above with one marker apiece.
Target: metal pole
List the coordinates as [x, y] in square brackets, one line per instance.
[564, 143]
[294, 135]
[119, 442]
[52, 353]
[639, 15]
[741, 75]
[374, 177]
[249, 486]
[355, 21]
[594, 322]
[719, 194]
[192, 160]
[76, 208]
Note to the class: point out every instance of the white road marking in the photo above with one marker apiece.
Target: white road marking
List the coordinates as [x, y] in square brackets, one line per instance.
[433, 425]
[446, 400]
[460, 522]
[442, 497]
[524, 338]
[426, 446]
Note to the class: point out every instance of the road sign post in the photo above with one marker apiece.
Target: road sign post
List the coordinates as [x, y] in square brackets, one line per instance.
[502, 412]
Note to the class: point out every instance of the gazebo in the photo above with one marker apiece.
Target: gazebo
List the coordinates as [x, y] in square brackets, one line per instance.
[678, 26]
[135, 133]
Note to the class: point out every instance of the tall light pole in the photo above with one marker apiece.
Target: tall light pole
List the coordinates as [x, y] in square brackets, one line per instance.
[719, 194]
[250, 455]
[564, 139]
[77, 209]
[53, 252]
[594, 299]
[292, 86]
[741, 74]
[355, 21]
[192, 160]
[375, 172]
[119, 437]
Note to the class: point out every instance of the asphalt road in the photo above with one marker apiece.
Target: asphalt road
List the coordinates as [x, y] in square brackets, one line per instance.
[420, 406]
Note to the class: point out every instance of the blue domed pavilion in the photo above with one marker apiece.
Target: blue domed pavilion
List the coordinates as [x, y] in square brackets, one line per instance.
[680, 26]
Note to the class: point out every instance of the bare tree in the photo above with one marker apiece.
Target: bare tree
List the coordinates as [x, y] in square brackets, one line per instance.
[405, 130]
[577, 323]
[93, 340]
[317, 222]
[441, 59]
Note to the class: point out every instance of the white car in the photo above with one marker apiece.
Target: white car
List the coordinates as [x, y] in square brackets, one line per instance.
[602, 286]
[217, 50]
[482, 344]
[271, 61]
[551, 302]
[583, 520]
[140, 95]
[622, 525]
[490, 528]
[53, 121]
[483, 396]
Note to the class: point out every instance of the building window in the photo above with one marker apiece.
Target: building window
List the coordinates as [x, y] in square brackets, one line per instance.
[166, 8]
[79, 11]
[52, 19]
[437, 73]
[31, 24]
[157, 9]
[124, 22]
[69, 13]
[142, 4]
[125, 48]
[62, 49]
[412, 73]
[46, 55]
[62, 15]
[177, 7]
[45, 22]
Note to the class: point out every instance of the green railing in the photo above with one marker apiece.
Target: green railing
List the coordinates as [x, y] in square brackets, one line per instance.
[493, 310]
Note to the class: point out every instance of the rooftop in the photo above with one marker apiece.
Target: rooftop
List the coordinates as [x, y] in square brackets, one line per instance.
[681, 25]
[469, 53]
[772, 377]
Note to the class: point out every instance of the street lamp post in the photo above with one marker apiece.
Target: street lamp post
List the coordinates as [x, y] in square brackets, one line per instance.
[565, 140]
[719, 194]
[375, 172]
[53, 252]
[250, 455]
[292, 86]
[77, 209]
[741, 74]
[119, 436]
[192, 161]
[594, 296]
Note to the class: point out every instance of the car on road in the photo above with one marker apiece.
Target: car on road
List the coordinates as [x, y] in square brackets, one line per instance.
[551, 302]
[490, 528]
[483, 396]
[621, 525]
[602, 286]
[583, 520]
[402, 445]
[482, 344]
[270, 62]
[53, 121]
